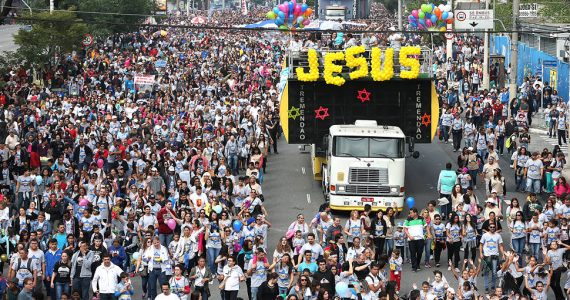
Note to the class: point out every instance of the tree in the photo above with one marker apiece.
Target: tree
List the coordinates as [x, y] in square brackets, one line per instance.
[114, 16]
[50, 35]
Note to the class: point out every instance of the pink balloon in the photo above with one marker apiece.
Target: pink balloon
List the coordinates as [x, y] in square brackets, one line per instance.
[171, 223]
[297, 10]
[428, 23]
[284, 8]
[306, 22]
[83, 202]
[100, 163]
[415, 13]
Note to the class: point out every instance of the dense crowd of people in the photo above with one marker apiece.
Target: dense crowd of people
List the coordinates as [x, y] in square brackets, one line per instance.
[106, 178]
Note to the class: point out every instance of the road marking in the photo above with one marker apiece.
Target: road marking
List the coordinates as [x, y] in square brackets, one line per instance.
[303, 170]
[309, 198]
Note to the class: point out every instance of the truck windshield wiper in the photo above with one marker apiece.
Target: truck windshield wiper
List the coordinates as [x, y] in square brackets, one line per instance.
[383, 155]
[351, 155]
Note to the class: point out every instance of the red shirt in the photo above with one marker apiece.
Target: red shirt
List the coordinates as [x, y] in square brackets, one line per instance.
[163, 214]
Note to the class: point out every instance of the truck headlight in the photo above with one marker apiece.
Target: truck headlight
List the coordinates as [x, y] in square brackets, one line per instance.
[393, 190]
[341, 188]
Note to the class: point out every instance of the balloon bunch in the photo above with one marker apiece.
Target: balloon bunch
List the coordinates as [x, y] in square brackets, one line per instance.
[290, 15]
[432, 18]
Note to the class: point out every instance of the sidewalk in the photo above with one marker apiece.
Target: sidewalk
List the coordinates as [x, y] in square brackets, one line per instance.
[538, 127]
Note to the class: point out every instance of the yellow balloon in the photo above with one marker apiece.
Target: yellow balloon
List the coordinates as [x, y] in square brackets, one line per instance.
[442, 29]
[4, 257]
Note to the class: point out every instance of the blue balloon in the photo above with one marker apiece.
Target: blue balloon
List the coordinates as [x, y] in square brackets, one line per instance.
[276, 10]
[410, 201]
[432, 6]
[281, 15]
[237, 225]
[414, 24]
[444, 16]
[342, 290]
[291, 16]
[423, 22]
[304, 7]
[291, 6]
[433, 19]
[279, 21]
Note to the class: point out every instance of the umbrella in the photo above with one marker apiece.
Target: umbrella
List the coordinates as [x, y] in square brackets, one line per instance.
[198, 20]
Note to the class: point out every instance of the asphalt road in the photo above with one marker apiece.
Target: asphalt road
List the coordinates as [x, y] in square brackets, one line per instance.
[6, 37]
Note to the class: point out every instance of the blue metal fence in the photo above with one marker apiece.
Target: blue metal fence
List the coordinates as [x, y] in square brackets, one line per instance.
[532, 62]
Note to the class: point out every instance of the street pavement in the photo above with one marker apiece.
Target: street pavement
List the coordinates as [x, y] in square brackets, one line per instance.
[6, 37]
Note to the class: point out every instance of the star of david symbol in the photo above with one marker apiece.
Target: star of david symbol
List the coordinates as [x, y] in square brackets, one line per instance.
[426, 119]
[321, 113]
[363, 95]
[294, 113]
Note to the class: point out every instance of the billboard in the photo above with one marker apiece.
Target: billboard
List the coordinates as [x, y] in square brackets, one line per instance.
[161, 5]
[308, 109]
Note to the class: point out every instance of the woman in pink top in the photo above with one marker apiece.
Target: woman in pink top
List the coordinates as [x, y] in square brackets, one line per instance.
[561, 188]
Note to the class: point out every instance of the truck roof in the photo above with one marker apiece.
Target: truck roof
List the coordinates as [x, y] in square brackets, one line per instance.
[367, 130]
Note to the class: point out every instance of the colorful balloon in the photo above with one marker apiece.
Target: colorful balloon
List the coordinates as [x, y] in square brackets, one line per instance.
[171, 224]
[281, 15]
[410, 201]
[437, 12]
[421, 15]
[433, 19]
[304, 7]
[306, 22]
[308, 12]
[300, 19]
[450, 15]
[415, 13]
[428, 23]
[237, 225]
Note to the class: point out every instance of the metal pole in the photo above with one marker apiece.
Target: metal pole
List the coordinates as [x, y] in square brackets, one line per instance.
[514, 54]
[400, 26]
[449, 43]
[486, 55]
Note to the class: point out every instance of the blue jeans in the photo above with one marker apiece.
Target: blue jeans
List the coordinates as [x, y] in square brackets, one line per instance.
[534, 250]
[82, 284]
[254, 293]
[211, 258]
[165, 239]
[445, 132]
[61, 288]
[233, 162]
[389, 247]
[473, 174]
[153, 276]
[427, 250]
[491, 279]
[533, 185]
[518, 247]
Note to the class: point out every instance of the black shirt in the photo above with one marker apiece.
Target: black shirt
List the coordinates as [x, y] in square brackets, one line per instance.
[62, 272]
[326, 280]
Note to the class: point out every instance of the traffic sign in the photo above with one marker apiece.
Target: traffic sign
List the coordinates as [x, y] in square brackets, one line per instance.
[87, 40]
[549, 64]
[449, 35]
[528, 10]
[474, 19]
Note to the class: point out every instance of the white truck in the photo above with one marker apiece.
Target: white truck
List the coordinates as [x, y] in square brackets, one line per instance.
[365, 164]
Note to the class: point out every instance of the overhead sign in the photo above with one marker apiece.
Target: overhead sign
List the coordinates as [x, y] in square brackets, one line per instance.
[474, 19]
[528, 10]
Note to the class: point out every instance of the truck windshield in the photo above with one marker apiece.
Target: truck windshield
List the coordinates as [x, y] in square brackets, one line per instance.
[376, 147]
[335, 12]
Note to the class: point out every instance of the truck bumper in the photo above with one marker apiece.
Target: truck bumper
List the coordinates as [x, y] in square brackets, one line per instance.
[342, 202]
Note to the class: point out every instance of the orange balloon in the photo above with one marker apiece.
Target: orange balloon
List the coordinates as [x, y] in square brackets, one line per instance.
[308, 12]
[437, 12]
[449, 21]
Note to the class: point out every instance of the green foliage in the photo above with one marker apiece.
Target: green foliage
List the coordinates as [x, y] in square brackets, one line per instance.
[50, 35]
[9, 59]
[113, 18]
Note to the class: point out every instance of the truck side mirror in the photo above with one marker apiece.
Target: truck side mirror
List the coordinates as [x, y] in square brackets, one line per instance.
[416, 154]
[411, 143]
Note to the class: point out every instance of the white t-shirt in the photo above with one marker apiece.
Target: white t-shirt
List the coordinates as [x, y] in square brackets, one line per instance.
[315, 249]
[491, 243]
[233, 275]
[169, 297]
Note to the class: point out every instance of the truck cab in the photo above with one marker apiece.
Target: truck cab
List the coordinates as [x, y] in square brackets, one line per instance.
[335, 13]
[365, 164]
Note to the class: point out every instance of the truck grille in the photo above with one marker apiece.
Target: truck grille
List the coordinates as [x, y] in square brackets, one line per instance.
[367, 189]
[367, 175]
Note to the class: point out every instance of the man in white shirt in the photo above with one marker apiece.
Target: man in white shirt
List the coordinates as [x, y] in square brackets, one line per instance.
[105, 281]
[199, 199]
[490, 249]
[231, 276]
[166, 295]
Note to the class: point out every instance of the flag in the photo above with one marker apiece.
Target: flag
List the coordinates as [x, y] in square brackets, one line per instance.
[243, 7]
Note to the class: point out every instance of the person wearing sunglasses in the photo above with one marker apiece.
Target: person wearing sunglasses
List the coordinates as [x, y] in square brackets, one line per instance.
[490, 248]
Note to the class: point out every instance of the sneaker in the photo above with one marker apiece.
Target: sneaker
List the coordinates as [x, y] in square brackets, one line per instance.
[431, 257]
[437, 265]
[419, 269]
[427, 266]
